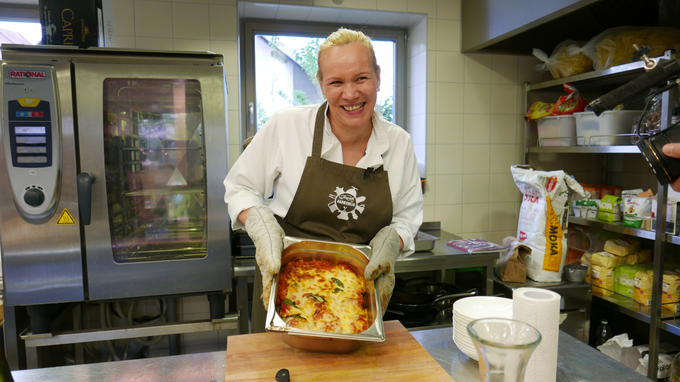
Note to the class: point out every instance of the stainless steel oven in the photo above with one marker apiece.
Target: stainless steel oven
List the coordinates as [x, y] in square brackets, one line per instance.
[111, 168]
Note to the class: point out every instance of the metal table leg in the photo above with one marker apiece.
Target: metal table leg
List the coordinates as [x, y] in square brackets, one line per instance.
[32, 357]
[242, 304]
[489, 277]
[14, 349]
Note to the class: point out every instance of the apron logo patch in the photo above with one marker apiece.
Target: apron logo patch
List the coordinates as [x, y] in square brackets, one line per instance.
[346, 203]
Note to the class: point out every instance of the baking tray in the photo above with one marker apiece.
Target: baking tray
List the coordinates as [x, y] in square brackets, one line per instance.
[424, 242]
[356, 256]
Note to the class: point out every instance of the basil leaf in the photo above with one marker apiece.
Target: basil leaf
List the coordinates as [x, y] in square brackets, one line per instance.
[295, 284]
[318, 298]
[288, 318]
[338, 282]
[337, 290]
[289, 302]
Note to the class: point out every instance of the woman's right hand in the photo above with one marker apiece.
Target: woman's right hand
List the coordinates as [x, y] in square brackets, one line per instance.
[673, 151]
[267, 235]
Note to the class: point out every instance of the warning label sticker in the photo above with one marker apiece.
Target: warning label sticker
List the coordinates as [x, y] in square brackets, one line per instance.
[66, 218]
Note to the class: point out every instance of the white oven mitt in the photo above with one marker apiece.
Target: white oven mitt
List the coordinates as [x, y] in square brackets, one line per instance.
[267, 236]
[380, 268]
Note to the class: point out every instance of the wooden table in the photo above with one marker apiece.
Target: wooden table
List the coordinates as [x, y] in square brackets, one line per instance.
[257, 357]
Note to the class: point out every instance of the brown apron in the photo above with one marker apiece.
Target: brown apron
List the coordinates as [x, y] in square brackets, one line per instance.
[333, 202]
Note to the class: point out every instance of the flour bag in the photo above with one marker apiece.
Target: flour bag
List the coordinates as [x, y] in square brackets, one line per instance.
[543, 219]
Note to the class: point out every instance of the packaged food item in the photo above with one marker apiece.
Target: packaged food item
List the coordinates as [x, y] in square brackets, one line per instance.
[631, 193]
[671, 291]
[610, 209]
[624, 278]
[543, 219]
[602, 279]
[634, 209]
[571, 103]
[594, 192]
[622, 246]
[614, 46]
[607, 190]
[567, 59]
[643, 287]
[607, 260]
[538, 110]
[586, 208]
[642, 256]
[510, 267]
[585, 260]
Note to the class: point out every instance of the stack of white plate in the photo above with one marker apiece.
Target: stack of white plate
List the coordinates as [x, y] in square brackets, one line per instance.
[469, 309]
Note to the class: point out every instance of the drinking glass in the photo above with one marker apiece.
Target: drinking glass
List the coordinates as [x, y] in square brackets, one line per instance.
[504, 347]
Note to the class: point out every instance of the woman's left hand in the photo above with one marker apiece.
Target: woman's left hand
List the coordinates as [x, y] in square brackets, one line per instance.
[386, 246]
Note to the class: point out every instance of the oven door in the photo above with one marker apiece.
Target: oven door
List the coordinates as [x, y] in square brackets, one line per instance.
[154, 139]
[41, 253]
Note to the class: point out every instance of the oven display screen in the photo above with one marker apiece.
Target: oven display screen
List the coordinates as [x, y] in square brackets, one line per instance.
[30, 133]
[29, 130]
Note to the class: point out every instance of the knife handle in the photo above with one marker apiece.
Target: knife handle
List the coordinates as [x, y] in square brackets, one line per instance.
[283, 375]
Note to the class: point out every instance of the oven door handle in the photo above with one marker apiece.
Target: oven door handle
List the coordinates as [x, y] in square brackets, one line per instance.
[85, 181]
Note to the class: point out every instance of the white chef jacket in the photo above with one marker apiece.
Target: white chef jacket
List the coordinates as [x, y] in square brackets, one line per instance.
[273, 163]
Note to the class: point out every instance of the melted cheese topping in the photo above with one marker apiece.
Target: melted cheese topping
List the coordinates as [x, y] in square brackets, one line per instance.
[315, 295]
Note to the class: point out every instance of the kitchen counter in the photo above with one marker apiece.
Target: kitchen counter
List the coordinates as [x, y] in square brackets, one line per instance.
[576, 362]
[441, 257]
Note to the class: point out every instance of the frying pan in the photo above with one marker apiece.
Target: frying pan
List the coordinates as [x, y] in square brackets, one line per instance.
[422, 302]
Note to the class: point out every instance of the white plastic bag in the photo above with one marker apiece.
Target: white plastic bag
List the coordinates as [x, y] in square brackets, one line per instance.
[543, 219]
[567, 59]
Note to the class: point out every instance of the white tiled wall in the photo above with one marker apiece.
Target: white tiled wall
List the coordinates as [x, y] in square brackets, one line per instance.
[469, 104]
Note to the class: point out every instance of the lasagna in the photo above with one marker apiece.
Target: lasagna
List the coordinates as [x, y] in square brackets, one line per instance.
[316, 295]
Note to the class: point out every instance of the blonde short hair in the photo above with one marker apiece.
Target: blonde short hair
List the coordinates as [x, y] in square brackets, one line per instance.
[345, 36]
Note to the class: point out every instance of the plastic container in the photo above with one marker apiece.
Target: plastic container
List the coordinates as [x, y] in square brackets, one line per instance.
[608, 123]
[557, 130]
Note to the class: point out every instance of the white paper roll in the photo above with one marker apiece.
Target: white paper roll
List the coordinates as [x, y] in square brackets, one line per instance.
[540, 308]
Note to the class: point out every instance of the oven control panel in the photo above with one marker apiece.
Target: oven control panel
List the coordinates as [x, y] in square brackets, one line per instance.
[31, 138]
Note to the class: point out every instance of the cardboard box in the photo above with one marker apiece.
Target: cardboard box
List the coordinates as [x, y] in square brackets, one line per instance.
[81, 23]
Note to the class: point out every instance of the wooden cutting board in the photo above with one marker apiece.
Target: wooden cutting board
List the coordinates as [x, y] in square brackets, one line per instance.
[257, 357]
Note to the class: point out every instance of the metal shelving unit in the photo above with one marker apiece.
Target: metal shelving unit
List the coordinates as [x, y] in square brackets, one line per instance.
[626, 149]
[617, 227]
[601, 82]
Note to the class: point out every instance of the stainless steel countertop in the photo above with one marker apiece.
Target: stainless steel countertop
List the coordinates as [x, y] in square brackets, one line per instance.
[577, 362]
[443, 256]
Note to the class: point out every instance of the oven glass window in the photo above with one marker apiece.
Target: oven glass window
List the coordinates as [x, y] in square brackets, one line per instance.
[155, 169]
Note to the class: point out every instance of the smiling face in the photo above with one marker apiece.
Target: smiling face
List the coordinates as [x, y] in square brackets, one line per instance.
[349, 82]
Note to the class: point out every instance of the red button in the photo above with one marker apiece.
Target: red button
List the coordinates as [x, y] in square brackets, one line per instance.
[37, 113]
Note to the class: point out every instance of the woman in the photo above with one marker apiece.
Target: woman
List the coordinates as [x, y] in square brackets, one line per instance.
[336, 172]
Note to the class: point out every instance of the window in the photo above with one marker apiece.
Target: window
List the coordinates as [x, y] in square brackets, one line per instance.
[280, 66]
[20, 33]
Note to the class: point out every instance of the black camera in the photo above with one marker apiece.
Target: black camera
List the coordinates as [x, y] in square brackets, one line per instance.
[665, 168]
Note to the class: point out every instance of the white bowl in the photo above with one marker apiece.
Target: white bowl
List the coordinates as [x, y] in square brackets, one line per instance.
[462, 319]
[463, 340]
[468, 351]
[483, 307]
[460, 337]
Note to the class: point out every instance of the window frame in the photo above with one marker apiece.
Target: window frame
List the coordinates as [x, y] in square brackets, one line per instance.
[252, 27]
